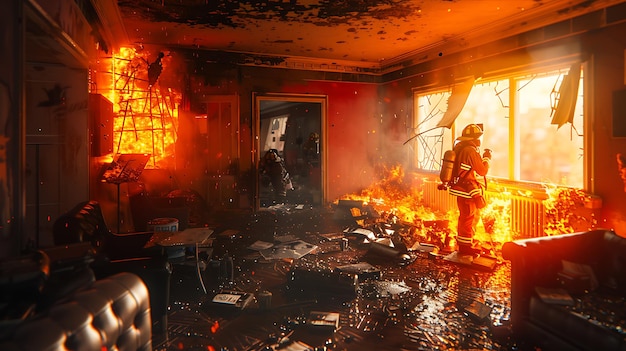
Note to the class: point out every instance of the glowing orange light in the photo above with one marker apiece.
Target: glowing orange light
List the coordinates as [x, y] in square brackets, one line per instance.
[215, 327]
[393, 196]
[564, 211]
[146, 118]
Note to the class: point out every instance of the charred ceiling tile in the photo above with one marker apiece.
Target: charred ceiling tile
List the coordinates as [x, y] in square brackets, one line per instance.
[234, 13]
[368, 33]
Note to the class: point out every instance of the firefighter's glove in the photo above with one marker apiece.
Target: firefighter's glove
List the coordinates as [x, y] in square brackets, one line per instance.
[487, 154]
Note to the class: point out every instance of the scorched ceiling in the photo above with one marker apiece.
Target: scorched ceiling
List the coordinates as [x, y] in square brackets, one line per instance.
[366, 33]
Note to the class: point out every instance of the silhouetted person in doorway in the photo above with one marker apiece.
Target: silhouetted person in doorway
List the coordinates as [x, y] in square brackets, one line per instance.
[273, 167]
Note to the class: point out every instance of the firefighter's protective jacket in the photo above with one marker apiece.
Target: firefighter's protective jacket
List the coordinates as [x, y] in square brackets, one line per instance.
[468, 163]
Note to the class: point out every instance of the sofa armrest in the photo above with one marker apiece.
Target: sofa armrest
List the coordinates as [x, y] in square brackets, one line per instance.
[111, 314]
[536, 262]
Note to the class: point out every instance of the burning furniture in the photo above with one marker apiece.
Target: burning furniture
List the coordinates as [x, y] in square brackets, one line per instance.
[568, 291]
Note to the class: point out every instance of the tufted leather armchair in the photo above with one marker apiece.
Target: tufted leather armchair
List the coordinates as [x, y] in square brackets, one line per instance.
[110, 314]
[116, 253]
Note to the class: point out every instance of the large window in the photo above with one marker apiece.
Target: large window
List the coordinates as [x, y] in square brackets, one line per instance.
[548, 153]
[532, 140]
[488, 105]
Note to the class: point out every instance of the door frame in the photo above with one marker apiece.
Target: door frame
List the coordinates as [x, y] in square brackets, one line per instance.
[256, 127]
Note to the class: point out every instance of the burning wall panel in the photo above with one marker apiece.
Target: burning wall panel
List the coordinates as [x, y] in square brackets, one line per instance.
[146, 117]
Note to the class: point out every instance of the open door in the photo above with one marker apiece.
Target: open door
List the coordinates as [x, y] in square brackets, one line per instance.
[293, 127]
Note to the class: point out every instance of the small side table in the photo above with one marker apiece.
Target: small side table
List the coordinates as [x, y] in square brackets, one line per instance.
[190, 237]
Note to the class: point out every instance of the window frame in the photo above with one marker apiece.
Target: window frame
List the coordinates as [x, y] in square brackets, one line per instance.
[513, 77]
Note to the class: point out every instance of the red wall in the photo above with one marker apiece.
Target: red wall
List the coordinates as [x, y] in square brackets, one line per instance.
[353, 127]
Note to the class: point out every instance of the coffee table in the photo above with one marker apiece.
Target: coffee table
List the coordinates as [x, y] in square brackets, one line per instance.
[190, 237]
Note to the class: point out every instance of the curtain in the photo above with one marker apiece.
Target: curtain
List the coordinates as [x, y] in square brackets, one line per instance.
[456, 101]
[566, 98]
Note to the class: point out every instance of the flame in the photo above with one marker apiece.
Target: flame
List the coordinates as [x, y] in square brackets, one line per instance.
[145, 117]
[215, 327]
[563, 214]
[395, 197]
[495, 224]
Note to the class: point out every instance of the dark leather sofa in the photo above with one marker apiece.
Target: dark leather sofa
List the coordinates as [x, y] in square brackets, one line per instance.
[595, 319]
[108, 314]
[115, 253]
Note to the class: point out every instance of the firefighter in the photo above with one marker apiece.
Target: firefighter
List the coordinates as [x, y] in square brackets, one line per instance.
[467, 189]
[273, 168]
[311, 150]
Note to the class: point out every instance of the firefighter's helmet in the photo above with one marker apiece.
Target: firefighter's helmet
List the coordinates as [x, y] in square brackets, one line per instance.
[471, 132]
[272, 156]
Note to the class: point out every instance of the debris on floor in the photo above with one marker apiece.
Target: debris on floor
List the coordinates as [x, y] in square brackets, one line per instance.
[392, 297]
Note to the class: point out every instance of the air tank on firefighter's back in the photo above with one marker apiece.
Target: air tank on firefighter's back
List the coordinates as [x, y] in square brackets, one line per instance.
[447, 166]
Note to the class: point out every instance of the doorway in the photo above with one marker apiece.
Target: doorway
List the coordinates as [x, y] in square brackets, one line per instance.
[293, 128]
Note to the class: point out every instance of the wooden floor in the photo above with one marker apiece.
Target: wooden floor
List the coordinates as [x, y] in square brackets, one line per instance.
[420, 302]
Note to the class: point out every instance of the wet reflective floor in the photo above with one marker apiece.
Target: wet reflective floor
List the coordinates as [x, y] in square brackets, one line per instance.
[380, 302]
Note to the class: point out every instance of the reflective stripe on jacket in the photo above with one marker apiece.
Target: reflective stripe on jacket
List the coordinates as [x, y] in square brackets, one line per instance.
[469, 163]
[466, 189]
